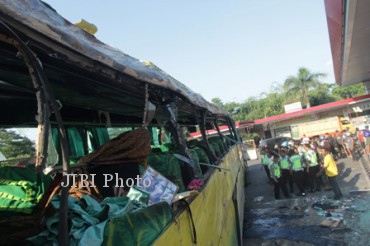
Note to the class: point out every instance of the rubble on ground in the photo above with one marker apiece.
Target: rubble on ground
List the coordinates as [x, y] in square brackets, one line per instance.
[317, 220]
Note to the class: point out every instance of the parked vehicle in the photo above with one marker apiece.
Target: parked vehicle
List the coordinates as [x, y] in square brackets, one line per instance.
[346, 124]
[97, 113]
[327, 125]
[270, 143]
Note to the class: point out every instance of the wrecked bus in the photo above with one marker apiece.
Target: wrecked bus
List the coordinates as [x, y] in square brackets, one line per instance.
[96, 118]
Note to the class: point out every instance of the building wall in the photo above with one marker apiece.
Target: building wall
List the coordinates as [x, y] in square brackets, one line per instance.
[290, 127]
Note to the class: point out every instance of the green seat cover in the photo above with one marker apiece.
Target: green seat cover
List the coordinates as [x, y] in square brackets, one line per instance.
[114, 221]
[203, 158]
[141, 227]
[216, 149]
[194, 156]
[21, 188]
[169, 166]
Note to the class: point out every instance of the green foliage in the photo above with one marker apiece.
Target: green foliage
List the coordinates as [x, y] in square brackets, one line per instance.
[300, 84]
[217, 101]
[273, 104]
[349, 91]
[322, 94]
[304, 87]
[15, 146]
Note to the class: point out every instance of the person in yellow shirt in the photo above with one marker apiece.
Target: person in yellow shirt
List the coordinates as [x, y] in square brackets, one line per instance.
[331, 170]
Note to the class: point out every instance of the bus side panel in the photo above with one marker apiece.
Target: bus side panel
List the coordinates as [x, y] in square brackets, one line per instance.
[229, 235]
[212, 210]
[239, 195]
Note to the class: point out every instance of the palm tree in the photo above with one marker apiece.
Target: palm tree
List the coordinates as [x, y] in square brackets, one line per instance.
[302, 83]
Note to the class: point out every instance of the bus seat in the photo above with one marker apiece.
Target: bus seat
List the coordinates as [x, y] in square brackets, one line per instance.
[228, 142]
[169, 166]
[220, 145]
[202, 146]
[216, 149]
[21, 188]
[167, 147]
[203, 158]
[98, 137]
[76, 143]
[231, 141]
[219, 142]
[194, 156]
[139, 227]
[156, 150]
[75, 140]
[192, 143]
[121, 171]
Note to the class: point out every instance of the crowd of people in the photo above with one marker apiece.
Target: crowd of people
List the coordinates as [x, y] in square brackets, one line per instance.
[309, 165]
[353, 145]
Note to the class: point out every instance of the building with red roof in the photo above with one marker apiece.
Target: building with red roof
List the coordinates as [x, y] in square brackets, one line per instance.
[322, 117]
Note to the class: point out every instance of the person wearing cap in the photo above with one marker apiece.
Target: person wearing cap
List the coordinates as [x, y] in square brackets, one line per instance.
[331, 170]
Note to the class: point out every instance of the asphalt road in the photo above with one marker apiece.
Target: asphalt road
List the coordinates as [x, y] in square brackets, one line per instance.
[294, 221]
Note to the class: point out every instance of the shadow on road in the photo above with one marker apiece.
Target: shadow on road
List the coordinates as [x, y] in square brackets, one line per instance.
[295, 221]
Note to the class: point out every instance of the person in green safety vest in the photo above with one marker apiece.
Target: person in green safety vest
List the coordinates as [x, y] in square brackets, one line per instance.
[266, 160]
[312, 168]
[296, 170]
[276, 175]
[285, 169]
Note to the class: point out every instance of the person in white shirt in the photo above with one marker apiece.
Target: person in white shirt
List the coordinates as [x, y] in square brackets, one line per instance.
[305, 139]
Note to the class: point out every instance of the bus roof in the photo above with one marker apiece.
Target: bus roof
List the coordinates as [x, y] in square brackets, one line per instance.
[37, 21]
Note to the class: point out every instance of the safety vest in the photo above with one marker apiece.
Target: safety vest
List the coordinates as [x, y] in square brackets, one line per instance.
[265, 160]
[284, 163]
[276, 169]
[312, 157]
[296, 162]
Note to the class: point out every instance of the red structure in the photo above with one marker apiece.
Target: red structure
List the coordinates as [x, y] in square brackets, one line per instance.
[351, 108]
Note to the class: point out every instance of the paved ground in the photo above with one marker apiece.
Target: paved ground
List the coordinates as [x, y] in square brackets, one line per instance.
[295, 221]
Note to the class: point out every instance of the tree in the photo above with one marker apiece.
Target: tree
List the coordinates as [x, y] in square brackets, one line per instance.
[14, 146]
[252, 109]
[302, 83]
[322, 94]
[272, 103]
[217, 101]
[349, 91]
[232, 107]
[305, 86]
